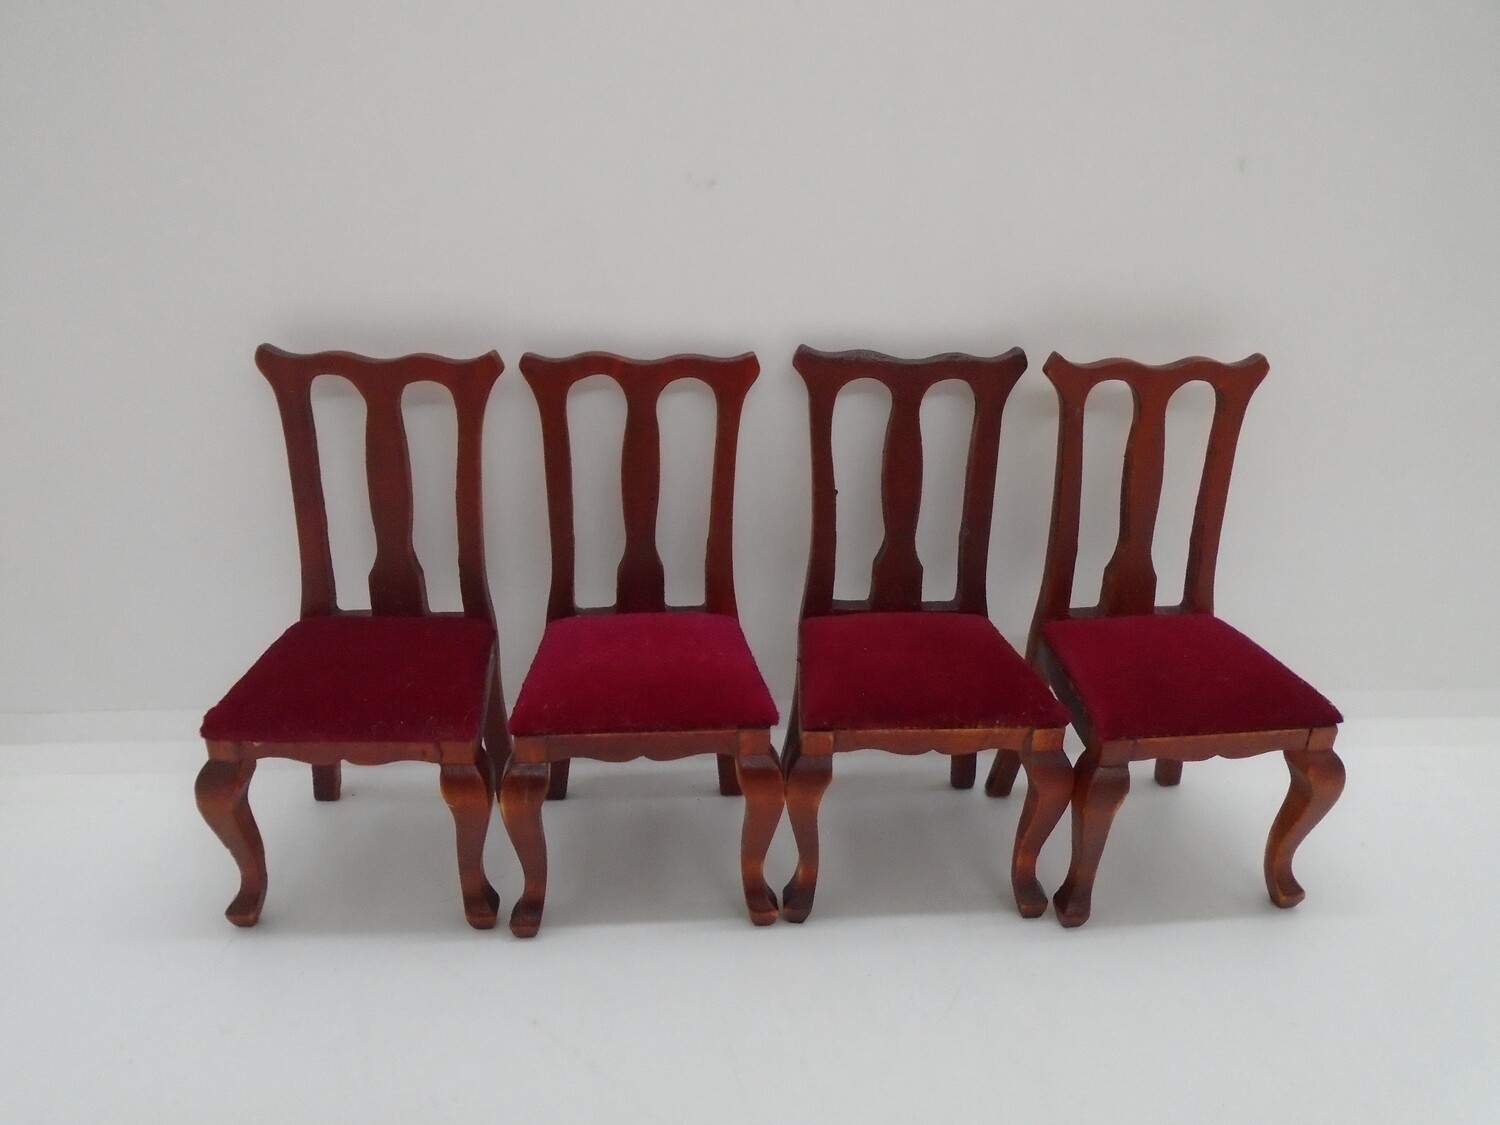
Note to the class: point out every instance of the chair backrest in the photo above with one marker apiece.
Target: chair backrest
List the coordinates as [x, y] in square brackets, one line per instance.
[1129, 585]
[397, 587]
[896, 577]
[641, 582]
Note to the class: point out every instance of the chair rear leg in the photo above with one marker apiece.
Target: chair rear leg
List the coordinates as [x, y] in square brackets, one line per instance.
[1098, 792]
[729, 784]
[557, 785]
[222, 791]
[1168, 772]
[1002, 776]
[327, 781]
[962, 769]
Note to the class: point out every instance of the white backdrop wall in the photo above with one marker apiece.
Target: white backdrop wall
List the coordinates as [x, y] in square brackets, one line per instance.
[179, 181]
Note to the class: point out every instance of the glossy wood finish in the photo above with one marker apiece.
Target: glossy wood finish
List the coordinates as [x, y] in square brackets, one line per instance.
[468, 770]
[1101, 777]
[896, 585]
[538, 769]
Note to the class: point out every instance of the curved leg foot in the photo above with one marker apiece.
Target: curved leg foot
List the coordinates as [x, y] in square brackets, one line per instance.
[759, 777]
[962, 769]
[1168, 772]
[327, 782]
[806, 781]
[222, 790]
[1049, 785]
[1317, 781]
[1098, 792]
[557, 785]
[729, 784]
[469, 797]
[1002, 774]
[522, 792]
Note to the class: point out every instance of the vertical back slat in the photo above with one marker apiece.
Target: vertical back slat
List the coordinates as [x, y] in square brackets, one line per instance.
[1129, 584]
[397, 587]
[822, 392]
[550, 387]
[1231, 399]
[896, 577]
[294, 402]
[641, 583]
[468, 500]
[979, 496]
[718, 563]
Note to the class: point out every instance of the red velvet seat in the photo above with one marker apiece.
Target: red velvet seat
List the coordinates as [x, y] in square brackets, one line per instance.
[918, 670]
[1177, 675]
[362, 679]
[642, 672]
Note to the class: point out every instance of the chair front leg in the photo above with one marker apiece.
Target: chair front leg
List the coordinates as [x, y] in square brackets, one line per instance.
[1317, 781]
[1002, 776]
[1098, 791]
[759, 778]
[962, 769]
[806, 780]
[222, 791]
[470, 797]
[522, 792]
[1049, 785]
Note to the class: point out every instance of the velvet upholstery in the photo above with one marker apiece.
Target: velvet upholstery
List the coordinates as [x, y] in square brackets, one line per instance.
[362, 679]
[875, 671]
[1168, 675]
[631, 672]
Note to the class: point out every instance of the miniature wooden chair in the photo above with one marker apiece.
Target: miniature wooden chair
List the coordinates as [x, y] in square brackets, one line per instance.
[894, 672]
[396, 683]
[641, 678]
[1174, 684]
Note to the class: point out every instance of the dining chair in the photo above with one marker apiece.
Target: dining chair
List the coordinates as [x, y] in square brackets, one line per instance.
[640, 678]
[897, 673]
[1171, 684]
[395, 683]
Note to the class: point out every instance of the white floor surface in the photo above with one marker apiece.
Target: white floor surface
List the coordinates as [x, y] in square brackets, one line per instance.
[913, 994]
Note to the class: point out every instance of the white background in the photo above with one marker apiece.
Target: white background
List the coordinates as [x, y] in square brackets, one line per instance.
[182, 181]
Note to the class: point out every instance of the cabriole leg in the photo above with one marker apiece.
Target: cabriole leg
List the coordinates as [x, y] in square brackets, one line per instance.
[469, 796]
[1098, 792]
[1317, 781]
[522, 792]
[806, 780]
[759, 778]
[222, 790]
[1049, 786]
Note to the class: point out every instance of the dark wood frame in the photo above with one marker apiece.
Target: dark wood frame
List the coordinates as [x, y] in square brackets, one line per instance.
[896, 585]
[746, 761]
[467, 770]
[1102, 776]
